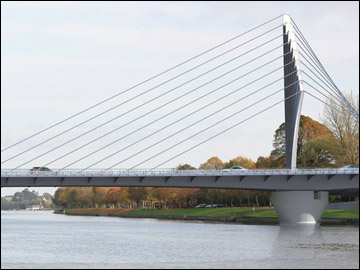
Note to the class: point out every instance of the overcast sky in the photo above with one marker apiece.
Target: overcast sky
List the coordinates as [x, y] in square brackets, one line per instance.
[58, 58]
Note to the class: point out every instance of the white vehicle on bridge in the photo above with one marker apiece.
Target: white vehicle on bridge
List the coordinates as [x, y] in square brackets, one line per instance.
[349, 168]
[41, 171]
[235, 169]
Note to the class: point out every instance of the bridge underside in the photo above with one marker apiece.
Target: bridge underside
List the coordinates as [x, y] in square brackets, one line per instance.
[345, 192]
[298, 199]
[334, 183]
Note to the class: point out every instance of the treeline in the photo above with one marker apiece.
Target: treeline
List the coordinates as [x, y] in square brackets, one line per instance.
[319, 146]
[26, 198]
[149, 197]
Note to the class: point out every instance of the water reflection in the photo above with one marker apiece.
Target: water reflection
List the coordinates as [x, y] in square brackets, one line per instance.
[309, 244]
[300, 233]
[44, 240]
[303, 237]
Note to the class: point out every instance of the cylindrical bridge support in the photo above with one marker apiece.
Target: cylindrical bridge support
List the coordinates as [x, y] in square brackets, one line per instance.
[300, 207]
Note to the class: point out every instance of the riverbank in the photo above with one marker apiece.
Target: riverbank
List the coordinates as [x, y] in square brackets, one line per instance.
[261, 216]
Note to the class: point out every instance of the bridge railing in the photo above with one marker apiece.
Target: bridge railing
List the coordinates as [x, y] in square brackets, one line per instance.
[171, 172]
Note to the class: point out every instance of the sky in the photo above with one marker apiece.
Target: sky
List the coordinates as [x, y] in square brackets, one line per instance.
[58, 58]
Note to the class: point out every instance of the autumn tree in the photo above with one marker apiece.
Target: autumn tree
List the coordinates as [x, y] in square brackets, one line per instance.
[161, 194]
[116, 196]
[98, 196]
[185, 167]
[213, 163]
[242, 162]
[309, 129]
[317, 153]
[137, 194]
[340, 120]
[213, 196]
[186, 196]
[58, 199]
[279, 145]
[268, 162]
[84, 195]
[71, 198]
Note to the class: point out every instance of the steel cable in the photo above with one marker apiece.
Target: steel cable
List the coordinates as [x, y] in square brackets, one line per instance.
[141, 83]
[152, 110]
[221, 121]
[225, 130]
[256, 91]
[118, 105]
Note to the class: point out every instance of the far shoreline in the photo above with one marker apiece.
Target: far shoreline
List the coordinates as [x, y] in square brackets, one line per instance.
[240, 220]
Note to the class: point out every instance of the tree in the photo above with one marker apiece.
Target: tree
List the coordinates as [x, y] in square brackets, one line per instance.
[137, 194]
[213, 196]
[58, 199]
[317, 153]
[161, 194]
[213, 163]
[279, 143]
[6, 205]
[47, 196]
[26, 196]
[116, 196]
[242, 162]
[71, 197]
[84, 196]
[309, 129]
[269, 162]
[23, 199]
[98, 196]
[185, 167]
[340, 121]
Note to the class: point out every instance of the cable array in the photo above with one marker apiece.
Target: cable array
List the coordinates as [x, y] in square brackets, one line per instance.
[163, 105]
[222, 73]
[318, 70]
[141, 83]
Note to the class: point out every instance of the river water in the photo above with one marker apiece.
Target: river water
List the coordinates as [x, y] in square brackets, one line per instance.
[45, 240]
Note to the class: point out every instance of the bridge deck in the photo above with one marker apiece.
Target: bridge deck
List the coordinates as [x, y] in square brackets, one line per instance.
[277, 179]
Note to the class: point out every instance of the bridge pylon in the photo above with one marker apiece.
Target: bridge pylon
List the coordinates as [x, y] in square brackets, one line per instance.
[293, 86]
[300, 207]
[295, 207]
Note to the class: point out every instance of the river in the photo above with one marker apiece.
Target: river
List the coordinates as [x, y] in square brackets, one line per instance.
[45, 240]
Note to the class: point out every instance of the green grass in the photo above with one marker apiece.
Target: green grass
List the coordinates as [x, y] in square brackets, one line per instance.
[96, 211]
[226, 211]
[237, 211]
[341, 214]
[188, 212]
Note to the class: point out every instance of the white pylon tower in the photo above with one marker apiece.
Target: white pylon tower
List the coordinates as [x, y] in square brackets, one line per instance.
[292, 105]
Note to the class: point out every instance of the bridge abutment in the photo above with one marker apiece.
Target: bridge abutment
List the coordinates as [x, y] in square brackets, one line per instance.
[300, 207]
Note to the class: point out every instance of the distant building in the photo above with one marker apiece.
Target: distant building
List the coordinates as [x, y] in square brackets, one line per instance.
[34, 207]
[37, 207]
[9, 198]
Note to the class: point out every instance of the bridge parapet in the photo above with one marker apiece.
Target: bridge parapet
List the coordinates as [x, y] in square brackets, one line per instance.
[173, 172]
[271, 180]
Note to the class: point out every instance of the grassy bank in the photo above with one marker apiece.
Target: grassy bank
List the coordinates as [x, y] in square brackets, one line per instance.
[264, 212]
[226, 211]
[259, 212]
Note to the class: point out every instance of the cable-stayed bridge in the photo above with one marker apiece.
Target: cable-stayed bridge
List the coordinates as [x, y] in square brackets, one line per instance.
[269, 179]
[228, 85]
